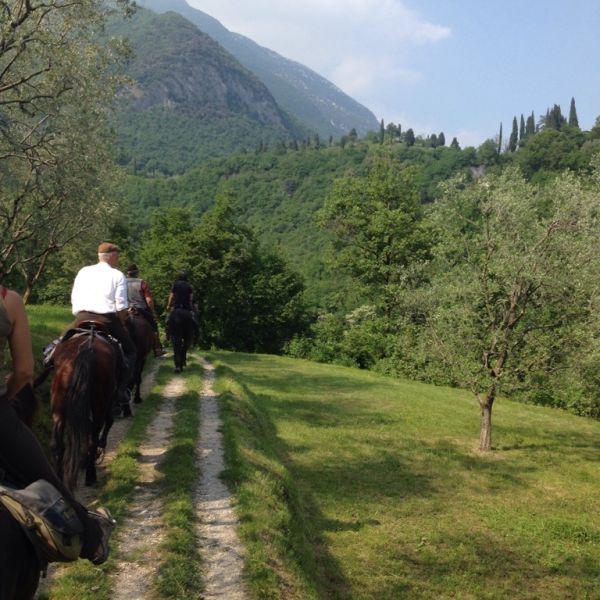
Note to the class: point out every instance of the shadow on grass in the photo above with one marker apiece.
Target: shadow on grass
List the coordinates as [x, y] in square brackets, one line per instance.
[390, 466]
[438, 565]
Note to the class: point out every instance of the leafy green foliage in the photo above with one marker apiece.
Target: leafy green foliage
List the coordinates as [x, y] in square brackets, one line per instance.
[247, 297]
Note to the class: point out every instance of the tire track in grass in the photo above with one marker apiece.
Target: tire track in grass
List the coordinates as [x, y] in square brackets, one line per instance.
[141, 533]
[220, 545]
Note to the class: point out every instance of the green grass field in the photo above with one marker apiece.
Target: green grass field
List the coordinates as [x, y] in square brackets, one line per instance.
[353, 485]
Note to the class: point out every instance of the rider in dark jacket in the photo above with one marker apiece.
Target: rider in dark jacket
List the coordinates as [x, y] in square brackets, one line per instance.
[141, 301]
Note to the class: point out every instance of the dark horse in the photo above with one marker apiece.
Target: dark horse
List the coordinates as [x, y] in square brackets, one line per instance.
[142, 334]
[19, 565]
[181, 327]
[82, 395]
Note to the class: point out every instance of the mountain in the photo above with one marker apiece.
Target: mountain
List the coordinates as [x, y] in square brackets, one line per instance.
[310, 98]
[189, 99]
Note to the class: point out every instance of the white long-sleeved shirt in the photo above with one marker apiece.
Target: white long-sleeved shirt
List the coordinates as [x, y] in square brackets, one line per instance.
[100, 289]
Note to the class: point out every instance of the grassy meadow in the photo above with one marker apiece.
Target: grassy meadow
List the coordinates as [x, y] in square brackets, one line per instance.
[354, 485]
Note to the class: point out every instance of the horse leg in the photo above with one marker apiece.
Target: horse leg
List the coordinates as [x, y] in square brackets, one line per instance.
[177, 351]
[108, 423]
[90, 472]
[138, 382]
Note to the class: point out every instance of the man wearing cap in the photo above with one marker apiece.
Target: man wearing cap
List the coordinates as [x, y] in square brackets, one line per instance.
[100, 294]
[140, 298]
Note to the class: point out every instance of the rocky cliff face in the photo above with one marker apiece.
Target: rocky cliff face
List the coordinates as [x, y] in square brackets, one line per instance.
[308, 97]
[190, 98]
[175, 65]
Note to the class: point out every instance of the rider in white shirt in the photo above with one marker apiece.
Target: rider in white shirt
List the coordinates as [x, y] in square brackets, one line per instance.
[100, 294]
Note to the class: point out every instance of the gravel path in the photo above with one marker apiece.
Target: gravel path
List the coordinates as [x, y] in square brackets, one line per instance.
[220, 546]
[140, 535]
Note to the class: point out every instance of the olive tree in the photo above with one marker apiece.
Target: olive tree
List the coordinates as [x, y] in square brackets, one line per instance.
[515, 275]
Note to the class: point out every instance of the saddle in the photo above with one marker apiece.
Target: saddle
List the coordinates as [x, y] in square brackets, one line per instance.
[85, 328]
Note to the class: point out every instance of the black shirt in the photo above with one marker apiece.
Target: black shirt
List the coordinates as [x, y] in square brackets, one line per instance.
[182, 292]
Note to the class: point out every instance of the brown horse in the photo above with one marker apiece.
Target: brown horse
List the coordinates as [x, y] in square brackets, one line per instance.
[19, 565]
[83, 391]
[142, 334]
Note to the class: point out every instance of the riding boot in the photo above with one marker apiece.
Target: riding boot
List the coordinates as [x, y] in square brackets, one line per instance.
[23, 462]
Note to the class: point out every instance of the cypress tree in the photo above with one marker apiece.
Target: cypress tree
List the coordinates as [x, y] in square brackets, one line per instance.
[441, 139]
[500, 140]
[530, 126]
[573, 120]
[410, 137]
[522, 134]
[381, 132]
[514, 136]
[454, 144]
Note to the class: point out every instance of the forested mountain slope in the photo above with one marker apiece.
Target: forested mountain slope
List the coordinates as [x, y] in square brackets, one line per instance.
[309, 97]
[189, 99]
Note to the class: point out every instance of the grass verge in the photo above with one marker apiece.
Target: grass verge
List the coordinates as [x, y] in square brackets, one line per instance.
[352, 485]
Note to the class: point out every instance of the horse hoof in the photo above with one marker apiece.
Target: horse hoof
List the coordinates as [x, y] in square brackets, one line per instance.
[137, 400]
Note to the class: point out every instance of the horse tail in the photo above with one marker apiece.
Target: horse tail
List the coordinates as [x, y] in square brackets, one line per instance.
[77, 403]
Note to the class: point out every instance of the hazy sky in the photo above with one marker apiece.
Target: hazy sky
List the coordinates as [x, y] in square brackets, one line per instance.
[457, 66]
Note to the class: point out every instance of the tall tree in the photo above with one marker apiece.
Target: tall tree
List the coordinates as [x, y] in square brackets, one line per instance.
[573, 120]
[441, 140]
[514, 136]
[515, 276]
[57, 79]
[499, 147]
[375, 221]
[554, 118]
[530, 125]
[409, 137]
[381, 132]
[522, 134]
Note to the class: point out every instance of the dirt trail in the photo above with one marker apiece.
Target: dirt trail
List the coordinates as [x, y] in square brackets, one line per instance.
[221, 549]
[140, 535]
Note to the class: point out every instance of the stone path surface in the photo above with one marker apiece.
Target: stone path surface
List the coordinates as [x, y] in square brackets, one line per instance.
[140, 535]
[221, 549]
